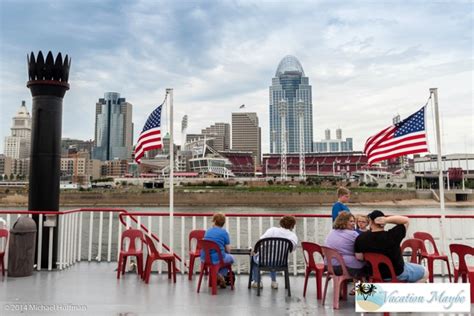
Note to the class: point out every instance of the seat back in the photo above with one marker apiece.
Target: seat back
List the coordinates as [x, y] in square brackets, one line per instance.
[329, 255]
[3, 234]
[207, 246]
[194, 237]
[151, 246]
[461, 251]
[427, 237]
[273, 252]
[417, 247]
[376, 260]
[133, 235]
[309, 249]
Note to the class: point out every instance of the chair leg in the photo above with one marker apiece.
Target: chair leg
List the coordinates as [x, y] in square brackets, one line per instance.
[287, 278]
[200, 277]
[124, 264]
[214, 269]
[169, 268]
[140, 264]
[319, 279]
[430, 269]
[328, 278]
[147, 272]
[337, 293]
[456, 276]
[119, 267]
[306, 276]
[174, 270]
[449, 270]
[231, 278]
[258, 281]
[191, 267]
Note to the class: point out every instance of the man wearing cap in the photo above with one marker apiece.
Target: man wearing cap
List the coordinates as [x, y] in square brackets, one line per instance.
[388, 242]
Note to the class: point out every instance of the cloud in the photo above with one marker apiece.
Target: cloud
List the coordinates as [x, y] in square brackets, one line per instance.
[366, 61]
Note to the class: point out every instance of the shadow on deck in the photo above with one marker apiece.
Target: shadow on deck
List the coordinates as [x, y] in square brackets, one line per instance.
[94, 287]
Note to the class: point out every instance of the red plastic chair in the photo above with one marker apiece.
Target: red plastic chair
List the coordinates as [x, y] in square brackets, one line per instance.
[339, 281]
[431, 257]
[154, 254]
[194, 250]
[133, 235]
[462, 269]
[3, 234]
[377, 259]
[309, 250]
[417, 247]
[207, 246]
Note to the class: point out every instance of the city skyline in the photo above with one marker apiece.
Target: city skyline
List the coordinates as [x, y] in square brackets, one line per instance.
[359, 59]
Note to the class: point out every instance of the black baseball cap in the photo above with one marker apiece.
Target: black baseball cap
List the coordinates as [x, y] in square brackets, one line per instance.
[375, 213]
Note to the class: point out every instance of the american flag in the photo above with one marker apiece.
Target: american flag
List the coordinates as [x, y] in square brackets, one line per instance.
[403, 138]
[150, 137]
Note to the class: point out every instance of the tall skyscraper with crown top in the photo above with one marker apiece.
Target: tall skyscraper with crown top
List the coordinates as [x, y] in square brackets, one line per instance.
[291, 86]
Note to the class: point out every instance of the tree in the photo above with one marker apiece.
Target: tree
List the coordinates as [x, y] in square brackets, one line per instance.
[12, 177]
[1, 177]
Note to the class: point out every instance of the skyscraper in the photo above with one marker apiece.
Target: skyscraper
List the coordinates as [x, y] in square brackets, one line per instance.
[17, 146]
[290, 85]
[246, 134]
[113, 128]
[221, 134]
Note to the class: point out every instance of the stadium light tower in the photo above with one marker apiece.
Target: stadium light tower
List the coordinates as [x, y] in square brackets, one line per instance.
[184, 127]
[300, 111]
[282, 107]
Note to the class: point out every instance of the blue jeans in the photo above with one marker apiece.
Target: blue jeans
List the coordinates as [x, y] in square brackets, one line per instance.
[412, 272]
[228, 259]
[273, 274]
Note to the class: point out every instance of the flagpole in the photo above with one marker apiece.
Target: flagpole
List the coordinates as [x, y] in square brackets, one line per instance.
[434, 92]
[169, 91]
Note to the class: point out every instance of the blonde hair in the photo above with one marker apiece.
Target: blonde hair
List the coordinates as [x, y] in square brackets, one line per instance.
[342, 219]
[219, 219]
[342, 191]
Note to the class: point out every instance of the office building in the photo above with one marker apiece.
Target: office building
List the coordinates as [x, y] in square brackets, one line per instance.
[291, 86]
[220, 132]
[18, 144]
[113, 128]
[246, 134]
[328, 145]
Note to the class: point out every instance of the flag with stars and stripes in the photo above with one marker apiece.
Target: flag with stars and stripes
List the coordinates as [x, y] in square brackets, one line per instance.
[403, 138]
[150, 137]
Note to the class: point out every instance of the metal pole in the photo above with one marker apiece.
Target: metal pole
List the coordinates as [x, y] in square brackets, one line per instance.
[170, 93]
[434, 92]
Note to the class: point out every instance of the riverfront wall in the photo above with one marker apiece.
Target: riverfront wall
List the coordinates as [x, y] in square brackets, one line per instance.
[212, 198]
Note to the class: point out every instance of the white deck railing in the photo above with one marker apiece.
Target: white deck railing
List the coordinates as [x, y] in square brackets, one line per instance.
[94, 234]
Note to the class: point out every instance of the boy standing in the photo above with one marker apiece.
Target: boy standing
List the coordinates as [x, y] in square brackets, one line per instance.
[343, 195]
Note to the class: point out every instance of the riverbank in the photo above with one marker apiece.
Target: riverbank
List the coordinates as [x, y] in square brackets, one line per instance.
[230, 198]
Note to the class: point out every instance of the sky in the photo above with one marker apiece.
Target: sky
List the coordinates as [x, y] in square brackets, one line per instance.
[367, 61]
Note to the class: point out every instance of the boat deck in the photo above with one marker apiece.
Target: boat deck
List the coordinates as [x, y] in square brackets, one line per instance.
[92, 289]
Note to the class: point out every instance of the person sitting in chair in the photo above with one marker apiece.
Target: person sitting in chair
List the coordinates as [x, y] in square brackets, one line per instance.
[378, 240]
[287, 223]
[221, 237]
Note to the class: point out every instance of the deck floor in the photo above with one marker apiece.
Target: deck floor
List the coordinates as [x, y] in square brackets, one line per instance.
[95, 286]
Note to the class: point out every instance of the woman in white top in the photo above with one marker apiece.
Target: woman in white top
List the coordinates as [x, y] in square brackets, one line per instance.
[287, 223]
